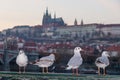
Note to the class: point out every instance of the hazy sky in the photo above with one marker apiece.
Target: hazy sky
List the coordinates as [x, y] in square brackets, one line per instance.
[30, 12]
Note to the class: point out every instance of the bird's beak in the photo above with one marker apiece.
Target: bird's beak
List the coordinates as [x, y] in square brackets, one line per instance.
[108, 54]
[82, 50]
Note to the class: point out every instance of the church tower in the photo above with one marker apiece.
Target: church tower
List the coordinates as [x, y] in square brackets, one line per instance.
[75, 22]
[46, 18]
[54, 15]
[82, 23]
[48, 21]
[47, 11]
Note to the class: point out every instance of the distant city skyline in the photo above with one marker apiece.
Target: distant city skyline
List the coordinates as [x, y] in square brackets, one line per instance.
[30, 12]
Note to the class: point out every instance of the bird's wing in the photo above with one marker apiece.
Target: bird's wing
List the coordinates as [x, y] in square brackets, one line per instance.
[99, 60]
[75, 61]
[26, 58]
[45, 62]
[102, 60]
[47, 58]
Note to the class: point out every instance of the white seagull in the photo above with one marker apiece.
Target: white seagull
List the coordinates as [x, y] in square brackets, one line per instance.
[75, 61]
[45, 62]
[102, 62]
[22, 60]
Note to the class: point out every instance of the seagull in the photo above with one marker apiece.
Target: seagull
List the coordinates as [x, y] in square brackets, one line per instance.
[75, 61]
[22, 60]
[102, 62]
[45, 62]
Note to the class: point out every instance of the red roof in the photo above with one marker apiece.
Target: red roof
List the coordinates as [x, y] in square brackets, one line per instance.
[114, 48]
[61, 46]
[20, 40]
[30, 44]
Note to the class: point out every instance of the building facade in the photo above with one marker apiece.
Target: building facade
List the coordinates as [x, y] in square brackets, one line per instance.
[49, 21]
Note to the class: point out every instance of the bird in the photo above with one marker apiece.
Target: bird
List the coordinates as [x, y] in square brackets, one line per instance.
[45, 62]
[22, 60]
[102, 62]
[75, 61]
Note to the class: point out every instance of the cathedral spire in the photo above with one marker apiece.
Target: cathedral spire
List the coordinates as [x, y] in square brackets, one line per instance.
[55, 15]
[75, 22]
[47, 11]
[49, 21]
[82, 22]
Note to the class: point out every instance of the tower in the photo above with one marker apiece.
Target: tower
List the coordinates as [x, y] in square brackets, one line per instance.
[54, 20]
[46, 18]
[47, 11]
[48, 21]
[54, 15]
[82, 22]
[75, 22]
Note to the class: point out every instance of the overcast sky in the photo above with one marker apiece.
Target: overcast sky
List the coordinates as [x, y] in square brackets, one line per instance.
[30, 12]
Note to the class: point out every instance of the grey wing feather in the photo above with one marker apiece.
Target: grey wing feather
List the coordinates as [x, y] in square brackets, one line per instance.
[47, 58]
[103, 60]
[75, 61]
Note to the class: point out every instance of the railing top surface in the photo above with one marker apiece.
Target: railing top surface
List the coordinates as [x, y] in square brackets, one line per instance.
[58, 76]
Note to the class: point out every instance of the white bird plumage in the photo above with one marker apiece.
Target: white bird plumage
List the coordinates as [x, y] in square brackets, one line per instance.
[22, 60]
[102, 62]
[75, 61]
[45, 62]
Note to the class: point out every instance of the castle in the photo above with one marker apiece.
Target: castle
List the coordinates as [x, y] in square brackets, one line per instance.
[48, 21]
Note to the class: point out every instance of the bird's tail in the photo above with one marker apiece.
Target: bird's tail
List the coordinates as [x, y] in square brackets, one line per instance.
[68, 68]
[33, 63]
[53, 67]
